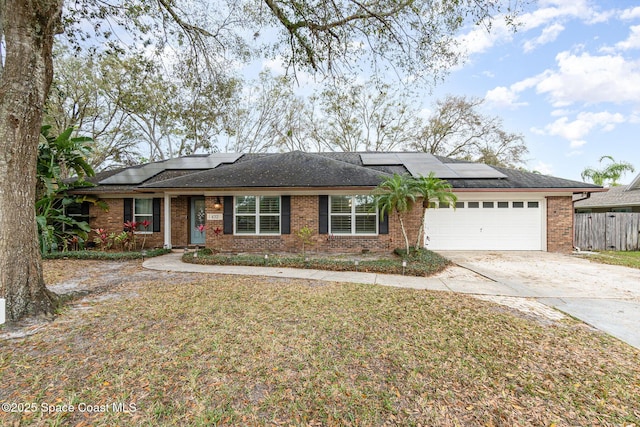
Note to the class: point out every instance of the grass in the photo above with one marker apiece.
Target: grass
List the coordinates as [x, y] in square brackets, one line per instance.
[419, 263]
[218, 350]
[627, 259]
[101, 255]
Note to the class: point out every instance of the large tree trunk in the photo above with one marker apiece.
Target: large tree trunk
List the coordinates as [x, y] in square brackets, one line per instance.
[28, 28]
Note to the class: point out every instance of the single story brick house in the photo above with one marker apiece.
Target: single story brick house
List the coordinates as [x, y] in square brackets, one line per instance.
[258, 203]
[622, 198]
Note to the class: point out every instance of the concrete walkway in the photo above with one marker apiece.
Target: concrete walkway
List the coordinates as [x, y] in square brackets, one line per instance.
[615, 311]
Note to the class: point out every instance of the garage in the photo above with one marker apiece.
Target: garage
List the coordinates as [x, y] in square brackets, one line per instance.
[487, 225]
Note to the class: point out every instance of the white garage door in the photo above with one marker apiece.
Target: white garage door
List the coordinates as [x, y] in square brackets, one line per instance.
[486, 225]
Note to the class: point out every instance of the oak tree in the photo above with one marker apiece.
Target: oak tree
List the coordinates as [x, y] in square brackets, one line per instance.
[414, 36]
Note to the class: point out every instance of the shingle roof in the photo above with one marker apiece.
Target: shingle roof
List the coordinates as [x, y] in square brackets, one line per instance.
[294, 169]
[299, 169]
[521, 179]
[616, 196]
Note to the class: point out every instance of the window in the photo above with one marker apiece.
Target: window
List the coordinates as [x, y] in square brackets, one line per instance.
[78, 211]
[533, 204]
[518, 204]
[352, 215]
[503, 205]
[473, 204]
[143, 211]
[257, 214]
[459, 205]
[487, 204]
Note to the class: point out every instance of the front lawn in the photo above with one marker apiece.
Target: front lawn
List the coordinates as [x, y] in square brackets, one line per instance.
[627, 259]
[419, 263]
[203, 350]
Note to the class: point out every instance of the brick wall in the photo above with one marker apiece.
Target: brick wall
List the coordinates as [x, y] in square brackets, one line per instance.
[304, 212]
[113, 220]
[179, 220]
[559, 224]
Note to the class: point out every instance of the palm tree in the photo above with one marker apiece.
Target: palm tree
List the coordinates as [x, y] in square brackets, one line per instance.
[611, 172]
[432, 189]
[396, 193]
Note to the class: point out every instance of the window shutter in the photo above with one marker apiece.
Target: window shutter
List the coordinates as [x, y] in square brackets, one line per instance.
[383, 223]
[285, 215]
[156, 215]
[323, 219]
[227, 223]
[128, 210]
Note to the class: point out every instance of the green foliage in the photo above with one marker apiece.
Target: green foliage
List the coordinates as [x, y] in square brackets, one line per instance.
[112, 256]
[305, 234]
[432, 189]
[609, 174]
[396, 194]
[399, 193]
[420, 263]
[59, 157]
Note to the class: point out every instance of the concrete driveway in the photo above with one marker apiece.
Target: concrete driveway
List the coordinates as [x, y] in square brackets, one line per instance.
[604, 296]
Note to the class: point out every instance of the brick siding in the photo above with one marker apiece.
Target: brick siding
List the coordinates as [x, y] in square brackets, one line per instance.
[559, 224]
[113, 219]
[304, 212]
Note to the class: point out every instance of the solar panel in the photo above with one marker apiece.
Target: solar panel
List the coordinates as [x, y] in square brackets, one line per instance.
[379, 159]
[475, 170]
[138, 175]
[424, 163]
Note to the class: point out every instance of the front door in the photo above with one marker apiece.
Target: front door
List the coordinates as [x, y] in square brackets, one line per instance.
[197, 221]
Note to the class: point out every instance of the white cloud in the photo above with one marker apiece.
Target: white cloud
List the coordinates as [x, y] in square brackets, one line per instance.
[480, 40]
[629, 14]
[633, 41]
[548, 35]
[591, 80]
[508, 97]
[550, 14]
[578, 78]
[561, 112]
[503, 97]
[585, 122]
[577, 143]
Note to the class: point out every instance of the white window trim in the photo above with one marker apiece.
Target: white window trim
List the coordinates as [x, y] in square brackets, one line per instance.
[353, 215]
[257, 216]
[144, 215]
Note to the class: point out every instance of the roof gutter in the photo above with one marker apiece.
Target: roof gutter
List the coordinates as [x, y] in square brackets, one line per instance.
[585, 195]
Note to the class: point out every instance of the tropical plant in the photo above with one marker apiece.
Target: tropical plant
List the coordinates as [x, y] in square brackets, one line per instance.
[396, 193]
[102, 239]
[58, 158]
[610, 173]
[432, 189]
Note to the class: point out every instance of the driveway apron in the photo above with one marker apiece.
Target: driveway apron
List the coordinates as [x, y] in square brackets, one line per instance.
[604, 296]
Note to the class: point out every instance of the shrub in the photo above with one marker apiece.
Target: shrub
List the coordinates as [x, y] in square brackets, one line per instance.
[420, 263]
[99, 255]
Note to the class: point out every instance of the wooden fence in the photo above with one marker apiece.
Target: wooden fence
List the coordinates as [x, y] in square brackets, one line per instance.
[612, 231]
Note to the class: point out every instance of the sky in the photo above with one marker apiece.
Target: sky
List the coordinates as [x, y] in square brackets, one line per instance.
[568, 80]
